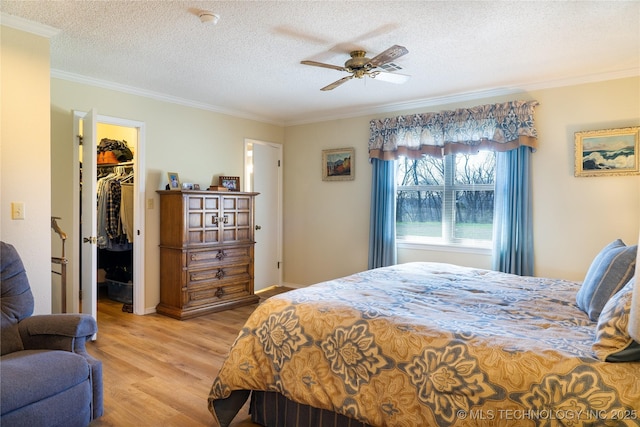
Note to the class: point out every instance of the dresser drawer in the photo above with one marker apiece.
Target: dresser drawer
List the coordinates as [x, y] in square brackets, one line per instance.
[211, 295]
[220, 256]
[222, 274]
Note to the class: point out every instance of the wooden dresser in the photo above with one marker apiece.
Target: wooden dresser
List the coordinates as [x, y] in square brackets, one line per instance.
[206, 252]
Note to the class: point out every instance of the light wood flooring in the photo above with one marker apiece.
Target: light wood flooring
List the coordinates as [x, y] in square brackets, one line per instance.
[157, 370]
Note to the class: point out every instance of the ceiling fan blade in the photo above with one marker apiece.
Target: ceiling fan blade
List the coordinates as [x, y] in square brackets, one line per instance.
[356, 43]
[291, 32]
[388, 55]
[390, 77]
[337, 83]
[323, 65]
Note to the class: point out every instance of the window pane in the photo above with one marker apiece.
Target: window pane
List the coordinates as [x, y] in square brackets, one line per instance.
[419, 213]
[474, 215]
[475, 168]
[449, 199]
[425, 171]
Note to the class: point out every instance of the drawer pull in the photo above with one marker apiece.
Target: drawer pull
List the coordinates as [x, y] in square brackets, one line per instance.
[218, 219]
[221, 255]
[219, 292]
[220, 274]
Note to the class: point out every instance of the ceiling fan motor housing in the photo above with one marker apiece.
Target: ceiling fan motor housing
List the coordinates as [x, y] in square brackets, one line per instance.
[357, 62]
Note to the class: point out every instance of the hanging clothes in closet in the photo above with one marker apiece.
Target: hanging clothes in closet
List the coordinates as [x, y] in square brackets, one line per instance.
[115, 208]
[114, 227]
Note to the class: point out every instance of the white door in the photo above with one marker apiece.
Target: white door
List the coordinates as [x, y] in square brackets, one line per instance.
[266, 179]
[88, 219]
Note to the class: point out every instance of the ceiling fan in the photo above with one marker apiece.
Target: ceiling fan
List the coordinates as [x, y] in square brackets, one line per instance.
[359, 66]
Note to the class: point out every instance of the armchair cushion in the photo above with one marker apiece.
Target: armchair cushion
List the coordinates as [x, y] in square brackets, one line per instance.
[44, 365]
[17, 299]
[18, 394]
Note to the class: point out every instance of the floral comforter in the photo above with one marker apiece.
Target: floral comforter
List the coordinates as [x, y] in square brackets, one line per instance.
[427, 344]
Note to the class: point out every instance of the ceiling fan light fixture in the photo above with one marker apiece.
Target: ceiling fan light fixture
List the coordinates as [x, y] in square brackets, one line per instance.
[208, 17]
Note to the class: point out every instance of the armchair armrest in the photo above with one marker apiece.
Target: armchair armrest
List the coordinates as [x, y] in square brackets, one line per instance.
[57, 332]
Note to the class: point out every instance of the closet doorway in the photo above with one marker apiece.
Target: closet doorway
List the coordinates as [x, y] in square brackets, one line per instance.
[124, 255]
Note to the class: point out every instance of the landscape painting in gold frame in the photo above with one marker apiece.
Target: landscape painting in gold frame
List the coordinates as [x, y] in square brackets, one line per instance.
[607, 152]
[338, 164]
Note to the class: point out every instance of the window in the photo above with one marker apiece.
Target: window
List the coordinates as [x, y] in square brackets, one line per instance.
[447, 200]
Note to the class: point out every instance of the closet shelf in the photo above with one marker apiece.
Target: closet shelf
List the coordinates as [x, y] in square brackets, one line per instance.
[106, 165]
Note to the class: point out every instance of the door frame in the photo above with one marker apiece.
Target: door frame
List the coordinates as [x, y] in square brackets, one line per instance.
[138, 207]
[248, 179]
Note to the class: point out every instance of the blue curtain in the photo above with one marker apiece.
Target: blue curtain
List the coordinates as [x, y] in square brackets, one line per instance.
[382, 227]
[513, 217]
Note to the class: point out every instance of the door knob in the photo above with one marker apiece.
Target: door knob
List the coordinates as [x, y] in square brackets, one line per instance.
[258, 227]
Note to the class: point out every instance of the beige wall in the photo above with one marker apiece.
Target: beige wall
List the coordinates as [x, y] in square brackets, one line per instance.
[326, 223]
[197, 144]
[575, 217]
[25, 172]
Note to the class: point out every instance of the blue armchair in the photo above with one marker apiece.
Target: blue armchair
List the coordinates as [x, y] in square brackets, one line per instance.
[48, 378]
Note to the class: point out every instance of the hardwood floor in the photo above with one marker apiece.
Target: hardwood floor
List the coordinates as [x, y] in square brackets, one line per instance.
[157, 370]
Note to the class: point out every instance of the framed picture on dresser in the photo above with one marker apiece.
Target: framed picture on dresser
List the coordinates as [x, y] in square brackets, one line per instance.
[174, 181]
[231, 183]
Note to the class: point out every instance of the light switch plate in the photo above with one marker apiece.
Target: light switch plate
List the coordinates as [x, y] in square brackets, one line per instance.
[17, 210]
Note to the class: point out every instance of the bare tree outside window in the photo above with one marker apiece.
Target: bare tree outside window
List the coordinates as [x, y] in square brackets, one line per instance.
[449, 200]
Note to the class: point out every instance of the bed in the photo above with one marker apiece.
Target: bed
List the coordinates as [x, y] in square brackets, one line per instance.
[427, 344]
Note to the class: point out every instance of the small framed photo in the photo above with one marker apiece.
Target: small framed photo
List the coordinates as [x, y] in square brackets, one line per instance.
[187, 186]
[607, 152]
[231, 183]
[174, 181]
[338, 164]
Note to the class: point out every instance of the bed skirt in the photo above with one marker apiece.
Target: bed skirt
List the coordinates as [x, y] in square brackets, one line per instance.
[272, 409]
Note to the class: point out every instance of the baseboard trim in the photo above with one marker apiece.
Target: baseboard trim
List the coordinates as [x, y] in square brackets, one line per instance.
[293, 285]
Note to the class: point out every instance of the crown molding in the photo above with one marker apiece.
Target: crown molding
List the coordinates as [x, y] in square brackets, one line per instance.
[467, 96]
[77, 78]
[28, 26]
[358, 112]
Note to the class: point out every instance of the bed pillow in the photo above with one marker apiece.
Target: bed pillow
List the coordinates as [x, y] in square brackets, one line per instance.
[610, 270]
[613, 343]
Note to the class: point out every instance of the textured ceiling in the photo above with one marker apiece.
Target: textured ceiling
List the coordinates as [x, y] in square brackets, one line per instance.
[249, 63]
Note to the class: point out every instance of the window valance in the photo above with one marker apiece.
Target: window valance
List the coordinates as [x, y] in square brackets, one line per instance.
[501, 127]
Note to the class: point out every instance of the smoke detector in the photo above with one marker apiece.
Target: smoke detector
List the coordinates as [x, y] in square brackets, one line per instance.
[208, 17]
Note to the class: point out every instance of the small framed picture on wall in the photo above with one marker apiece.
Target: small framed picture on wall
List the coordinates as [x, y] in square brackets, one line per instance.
[338, 164]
